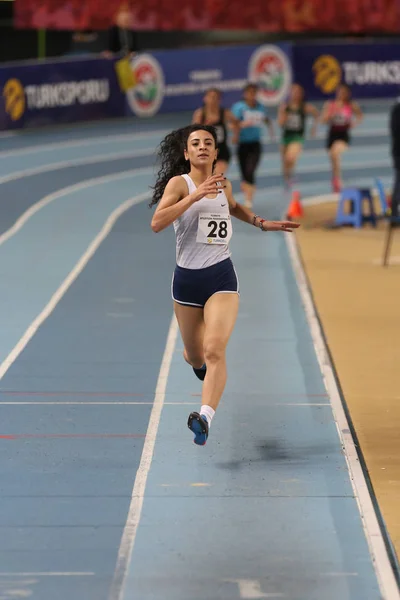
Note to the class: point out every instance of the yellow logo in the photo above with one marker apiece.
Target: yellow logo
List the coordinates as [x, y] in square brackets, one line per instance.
[328, 73]
[14, 95]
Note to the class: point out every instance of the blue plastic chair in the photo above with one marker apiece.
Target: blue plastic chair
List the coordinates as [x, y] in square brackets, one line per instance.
[356, 216]
[382, 197]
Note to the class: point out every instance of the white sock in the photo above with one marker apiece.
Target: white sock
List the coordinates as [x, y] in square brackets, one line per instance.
[208, 412]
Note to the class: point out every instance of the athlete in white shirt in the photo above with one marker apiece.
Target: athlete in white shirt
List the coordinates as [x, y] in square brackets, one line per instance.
[205, 287]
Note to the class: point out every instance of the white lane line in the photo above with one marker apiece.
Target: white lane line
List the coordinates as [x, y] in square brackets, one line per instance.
[48, 574]
[77, 269]
[99, 403]
[20, 222]
[149, 171]
[46, 168]
[98, 158]
[140, 403]
[135, 508]
[338, 574]
[6, 134]
[380, 558]
[14, 594]
[251, 589]
[347, 166]
[79, 143]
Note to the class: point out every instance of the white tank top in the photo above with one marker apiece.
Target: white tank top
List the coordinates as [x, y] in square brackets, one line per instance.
[203, 231]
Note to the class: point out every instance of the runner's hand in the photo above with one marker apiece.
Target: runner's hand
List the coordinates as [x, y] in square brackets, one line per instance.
[286, 226]
[212, 185]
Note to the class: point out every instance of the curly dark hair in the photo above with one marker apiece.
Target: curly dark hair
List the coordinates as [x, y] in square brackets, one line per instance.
[172, 159]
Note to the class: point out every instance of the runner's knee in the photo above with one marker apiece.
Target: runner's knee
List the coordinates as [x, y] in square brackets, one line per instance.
[214, 350]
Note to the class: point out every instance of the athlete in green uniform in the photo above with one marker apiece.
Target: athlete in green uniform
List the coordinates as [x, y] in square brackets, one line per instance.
[292, 116]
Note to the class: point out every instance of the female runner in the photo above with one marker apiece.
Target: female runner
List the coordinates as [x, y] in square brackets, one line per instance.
[212, 113]
[342, 114]
[205, 288]
[252, 116]
[292, 116]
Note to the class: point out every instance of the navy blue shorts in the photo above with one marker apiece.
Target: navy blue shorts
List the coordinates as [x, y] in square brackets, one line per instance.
[193, 287]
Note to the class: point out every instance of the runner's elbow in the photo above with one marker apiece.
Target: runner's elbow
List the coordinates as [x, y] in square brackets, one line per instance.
[155, 225]
[159, 223]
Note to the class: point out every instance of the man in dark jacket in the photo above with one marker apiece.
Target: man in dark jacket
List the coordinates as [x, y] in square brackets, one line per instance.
[395, 135]
[122, 39]
[394, 219]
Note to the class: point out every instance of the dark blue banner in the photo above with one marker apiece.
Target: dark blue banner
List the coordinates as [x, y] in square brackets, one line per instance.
[47, 93]
[33, 95]
[371, 70]
[176, 80]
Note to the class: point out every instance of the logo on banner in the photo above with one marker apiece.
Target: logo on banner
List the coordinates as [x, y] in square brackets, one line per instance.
[328, 73]
[63, 94]
[147, 94]
[14, 96]
[269, 67]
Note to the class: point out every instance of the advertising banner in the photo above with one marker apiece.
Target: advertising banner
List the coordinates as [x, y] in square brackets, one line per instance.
[39, 94]
[176, 80]
[371, 70]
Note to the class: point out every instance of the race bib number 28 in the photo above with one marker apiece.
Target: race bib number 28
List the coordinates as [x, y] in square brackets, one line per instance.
[214, 228]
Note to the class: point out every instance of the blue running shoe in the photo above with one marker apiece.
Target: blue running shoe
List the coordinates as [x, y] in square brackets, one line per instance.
[199, 425]
[200, 373]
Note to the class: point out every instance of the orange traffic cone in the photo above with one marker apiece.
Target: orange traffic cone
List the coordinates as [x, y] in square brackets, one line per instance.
[295, 209]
